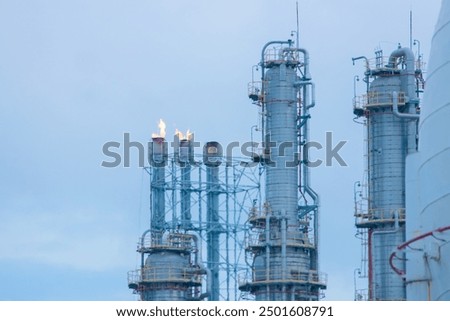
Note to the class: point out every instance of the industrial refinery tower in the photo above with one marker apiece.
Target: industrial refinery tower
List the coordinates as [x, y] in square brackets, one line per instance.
[390, 110]
[283, 240]
[193, 249]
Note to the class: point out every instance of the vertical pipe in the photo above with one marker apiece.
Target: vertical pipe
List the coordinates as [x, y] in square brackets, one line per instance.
[235, 222]
[370, 265]
[174, 194]
[410, 29]
[284, 253]
[184, 161]
[200, 212]
[212, 155]
[186, 197]
[213, 228]
[158, 157]
[410, 85]
[306, 177]
[227, 235]
[267, 253]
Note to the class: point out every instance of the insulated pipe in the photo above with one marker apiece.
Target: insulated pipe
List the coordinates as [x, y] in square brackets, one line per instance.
[370, 264]
[143, 236]
[185, 162]
[142, 245]
[283, 247]
[397, 113]
[302, 83]
[306, 74]
[198, 261]
[280, 42]
[306, 181]
[407, 243]
[409, 56]
[361, 57]
[267, 236]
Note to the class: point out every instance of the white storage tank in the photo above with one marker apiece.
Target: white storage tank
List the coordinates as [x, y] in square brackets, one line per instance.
[428, 179]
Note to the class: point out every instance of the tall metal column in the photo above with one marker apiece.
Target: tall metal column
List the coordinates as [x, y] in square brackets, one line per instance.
[158, 158]
[212, 158]
[185, 159]
[285, 260]
[390, 109]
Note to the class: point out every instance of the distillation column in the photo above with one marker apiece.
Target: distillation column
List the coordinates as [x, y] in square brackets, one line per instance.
[390, 108]
[171, 268]
[284, 253]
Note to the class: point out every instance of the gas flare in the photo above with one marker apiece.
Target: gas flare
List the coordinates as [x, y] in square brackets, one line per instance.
[162, 130]
[181, 136]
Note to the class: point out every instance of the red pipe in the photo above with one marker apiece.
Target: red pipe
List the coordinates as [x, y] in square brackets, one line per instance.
[404, 245]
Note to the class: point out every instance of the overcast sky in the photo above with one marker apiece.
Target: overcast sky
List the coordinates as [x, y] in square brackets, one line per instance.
[76, 74]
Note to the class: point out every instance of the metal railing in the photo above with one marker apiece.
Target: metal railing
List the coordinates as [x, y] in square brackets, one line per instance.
[254, 90]
[362, 295]
[380, 62]
[165, 273]
[172, 241]
[277, 55]
[292, 239]
[298, 275]
[376, 215]
[375, 99]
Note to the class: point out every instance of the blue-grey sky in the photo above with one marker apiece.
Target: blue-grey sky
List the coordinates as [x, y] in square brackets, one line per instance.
[76, 74]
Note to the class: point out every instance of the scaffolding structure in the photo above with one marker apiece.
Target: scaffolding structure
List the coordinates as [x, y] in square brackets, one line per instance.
[199, 204]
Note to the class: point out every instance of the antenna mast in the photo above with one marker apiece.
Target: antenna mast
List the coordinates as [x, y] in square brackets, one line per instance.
[410, 29]
[298, 28]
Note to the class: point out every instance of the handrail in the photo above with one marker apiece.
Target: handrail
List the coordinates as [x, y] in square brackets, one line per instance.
[278, 55]
[375, 98]
[311, 276]
[254, 90]
[165, 273]
[255, 240]
[174, 240]
[376, 214]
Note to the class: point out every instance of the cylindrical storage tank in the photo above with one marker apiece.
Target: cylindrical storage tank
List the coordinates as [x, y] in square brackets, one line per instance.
[434, 166]
[165, 274]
